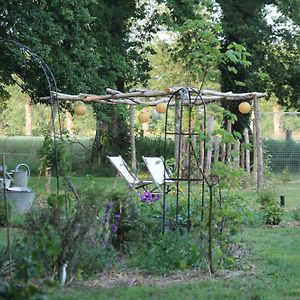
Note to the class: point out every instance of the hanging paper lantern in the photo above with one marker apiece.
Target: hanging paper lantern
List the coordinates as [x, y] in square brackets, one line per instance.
[161, 108]
[79, 109]
[144, 116]
[244, 107]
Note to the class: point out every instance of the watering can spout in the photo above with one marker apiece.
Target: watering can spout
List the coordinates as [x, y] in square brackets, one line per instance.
[20, 177]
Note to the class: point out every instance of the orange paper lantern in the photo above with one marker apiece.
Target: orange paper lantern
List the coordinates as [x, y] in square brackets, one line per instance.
[161, 108]
[79, 109]
[244, 107]
[144, 116]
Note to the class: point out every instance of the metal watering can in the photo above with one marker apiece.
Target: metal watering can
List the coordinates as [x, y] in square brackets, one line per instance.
[20, 177]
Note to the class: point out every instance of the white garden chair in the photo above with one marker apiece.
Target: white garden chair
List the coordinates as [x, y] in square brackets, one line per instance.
[158, 171]
[133, 181]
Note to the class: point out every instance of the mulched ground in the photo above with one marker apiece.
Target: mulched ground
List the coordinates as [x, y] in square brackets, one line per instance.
[137, 277]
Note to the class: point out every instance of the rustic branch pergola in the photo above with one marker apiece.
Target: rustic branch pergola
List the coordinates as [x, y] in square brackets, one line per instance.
[198, 97]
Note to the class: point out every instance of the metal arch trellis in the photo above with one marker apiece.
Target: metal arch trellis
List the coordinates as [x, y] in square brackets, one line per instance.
[52, 86]
[183, 95]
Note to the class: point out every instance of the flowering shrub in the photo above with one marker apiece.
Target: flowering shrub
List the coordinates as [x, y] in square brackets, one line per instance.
[148, 197]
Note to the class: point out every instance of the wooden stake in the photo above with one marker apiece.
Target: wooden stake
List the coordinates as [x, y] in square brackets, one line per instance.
[7, 219]
[247, 152]
[132, 138]
[259, 148]
[209, 149]
[228, 145]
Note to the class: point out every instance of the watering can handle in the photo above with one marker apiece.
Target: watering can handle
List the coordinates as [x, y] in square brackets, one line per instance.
[23, 165]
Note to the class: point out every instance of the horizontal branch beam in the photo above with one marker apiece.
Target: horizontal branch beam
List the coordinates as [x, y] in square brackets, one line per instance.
[134, 97]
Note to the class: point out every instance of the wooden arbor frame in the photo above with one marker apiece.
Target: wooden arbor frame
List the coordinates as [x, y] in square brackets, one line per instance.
[152, 98]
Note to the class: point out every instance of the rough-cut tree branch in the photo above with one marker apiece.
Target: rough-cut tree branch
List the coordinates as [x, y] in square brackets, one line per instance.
[134, 97]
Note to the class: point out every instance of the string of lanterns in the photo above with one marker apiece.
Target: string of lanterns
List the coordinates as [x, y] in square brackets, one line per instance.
[161, 108]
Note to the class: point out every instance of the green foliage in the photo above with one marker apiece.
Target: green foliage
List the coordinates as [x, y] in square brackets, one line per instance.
[128, 223]
[60, 232]
[272, 212]
[16, 291]
[54, 154]
[153, 147]
[168, 252]
[3, 220]
[286, 176]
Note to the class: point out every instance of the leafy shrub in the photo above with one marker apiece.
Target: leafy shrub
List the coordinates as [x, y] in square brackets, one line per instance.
[128, 222]
[285, 176]
[153, 147]
[272, 212]
[168, 252]
[64, 231]
[17, 291]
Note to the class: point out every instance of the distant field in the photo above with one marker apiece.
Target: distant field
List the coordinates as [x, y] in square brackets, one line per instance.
[24, 149]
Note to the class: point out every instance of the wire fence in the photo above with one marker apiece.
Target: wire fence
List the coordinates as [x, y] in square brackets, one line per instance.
[281, 136]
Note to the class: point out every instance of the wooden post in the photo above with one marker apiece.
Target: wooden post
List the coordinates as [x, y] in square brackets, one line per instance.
[247, 152]
[236, 157]
[132, 138]
[217, 149]
[228, 145]
[209, 148]
[7, 219]
[258, 145]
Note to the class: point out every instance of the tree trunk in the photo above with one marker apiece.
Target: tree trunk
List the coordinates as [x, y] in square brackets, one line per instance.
[28, 116]
[277, 122]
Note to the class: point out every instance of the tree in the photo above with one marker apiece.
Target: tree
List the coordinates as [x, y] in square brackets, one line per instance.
[86, 44]
[271, 49]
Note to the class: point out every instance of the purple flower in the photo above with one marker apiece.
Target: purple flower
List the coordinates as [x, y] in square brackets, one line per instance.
[149, 197]
[117, 217]
[114, 227]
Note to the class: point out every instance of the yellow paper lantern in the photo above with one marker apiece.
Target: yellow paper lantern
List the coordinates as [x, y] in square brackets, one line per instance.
[161, 108]
[79, 109]
[144, 116]
[244, 107]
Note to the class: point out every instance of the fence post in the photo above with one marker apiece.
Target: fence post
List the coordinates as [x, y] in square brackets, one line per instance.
[247, 152]
[210, 144]
[132, 138]
[258, 145]
[228, 145]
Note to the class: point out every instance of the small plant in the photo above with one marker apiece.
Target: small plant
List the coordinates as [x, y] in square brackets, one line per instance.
[272, 212]
[285, 177]
[126, 222]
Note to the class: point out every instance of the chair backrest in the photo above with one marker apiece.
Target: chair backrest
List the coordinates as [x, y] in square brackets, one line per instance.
[123, 169]
[157, 169]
